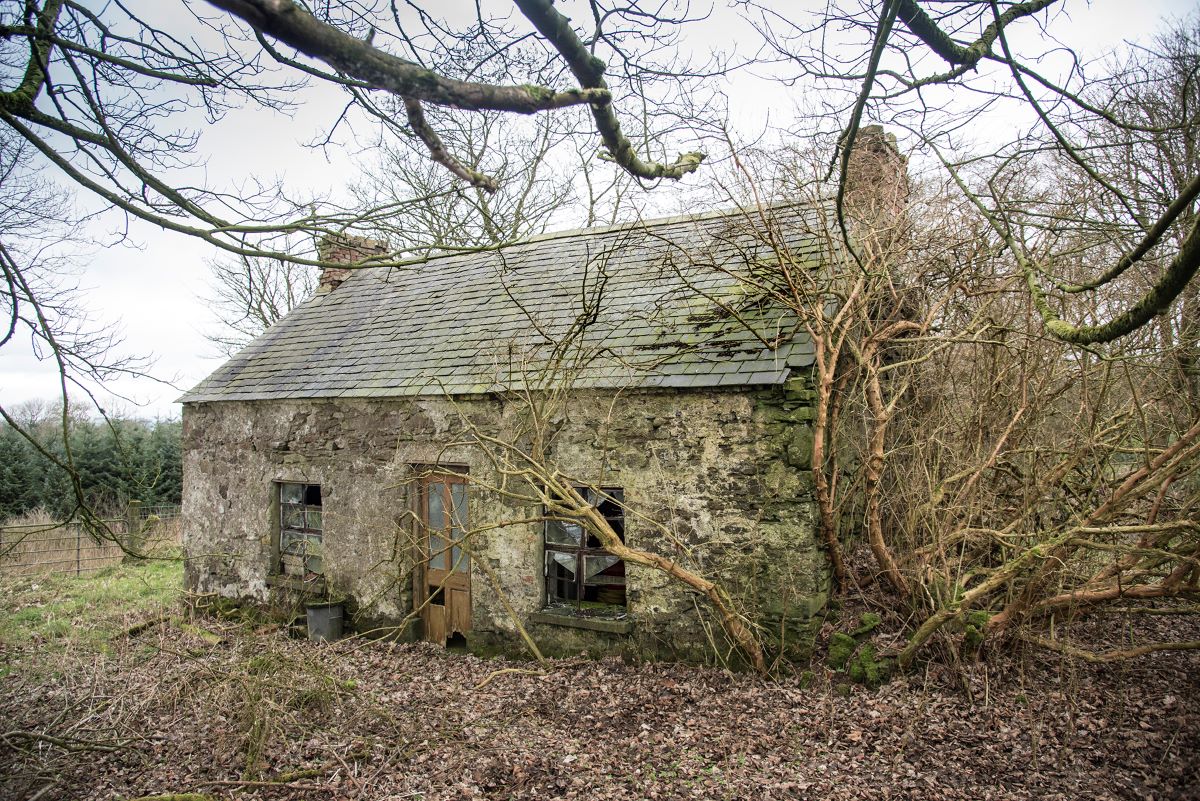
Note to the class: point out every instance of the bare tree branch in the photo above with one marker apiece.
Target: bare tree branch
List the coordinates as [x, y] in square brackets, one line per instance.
[289, 23]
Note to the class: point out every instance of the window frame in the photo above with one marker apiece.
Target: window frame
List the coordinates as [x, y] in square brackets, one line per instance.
[581, 551]
[305, 533]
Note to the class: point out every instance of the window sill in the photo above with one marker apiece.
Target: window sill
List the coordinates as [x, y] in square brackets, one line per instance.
[298, 585]
[569, 620]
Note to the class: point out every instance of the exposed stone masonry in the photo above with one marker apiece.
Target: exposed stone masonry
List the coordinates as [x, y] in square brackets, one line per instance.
[726, 471]
[345, 249]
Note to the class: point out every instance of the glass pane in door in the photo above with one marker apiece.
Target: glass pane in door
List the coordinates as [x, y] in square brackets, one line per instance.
[437, 551]
[437, 515]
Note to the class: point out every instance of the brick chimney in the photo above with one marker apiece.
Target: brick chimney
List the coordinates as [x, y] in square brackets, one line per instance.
[877, 186]
[345, 249]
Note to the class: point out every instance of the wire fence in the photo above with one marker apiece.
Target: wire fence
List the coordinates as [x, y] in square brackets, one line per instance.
[70, 548]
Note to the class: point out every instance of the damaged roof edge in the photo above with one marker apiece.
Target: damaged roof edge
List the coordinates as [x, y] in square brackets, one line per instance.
[654, 383]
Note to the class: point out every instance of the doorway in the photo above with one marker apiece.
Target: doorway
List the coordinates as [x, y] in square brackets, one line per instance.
[446, 580]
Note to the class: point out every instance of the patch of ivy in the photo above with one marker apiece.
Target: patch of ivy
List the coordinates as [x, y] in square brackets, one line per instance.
[973, 627]
[858, 659]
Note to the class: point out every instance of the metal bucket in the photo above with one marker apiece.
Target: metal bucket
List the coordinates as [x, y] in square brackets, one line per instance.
[324, 620]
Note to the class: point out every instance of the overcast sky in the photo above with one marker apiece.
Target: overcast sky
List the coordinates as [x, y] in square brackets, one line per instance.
[152, 289]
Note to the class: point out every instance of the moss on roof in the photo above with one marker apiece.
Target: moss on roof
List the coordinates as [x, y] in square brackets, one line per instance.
[645, 305]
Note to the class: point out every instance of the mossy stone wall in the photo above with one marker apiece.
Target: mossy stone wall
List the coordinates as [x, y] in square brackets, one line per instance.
[726, 473]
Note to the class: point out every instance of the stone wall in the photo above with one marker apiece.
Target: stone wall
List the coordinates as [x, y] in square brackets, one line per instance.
[725, 472]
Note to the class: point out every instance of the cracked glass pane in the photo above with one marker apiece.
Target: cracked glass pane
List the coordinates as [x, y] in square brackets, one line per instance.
[289, 541]
[561, 532]
[293, 517]
[565, 561]
[458, 500]
[592, 565]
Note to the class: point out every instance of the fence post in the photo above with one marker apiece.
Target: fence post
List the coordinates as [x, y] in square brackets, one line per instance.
[133, 531]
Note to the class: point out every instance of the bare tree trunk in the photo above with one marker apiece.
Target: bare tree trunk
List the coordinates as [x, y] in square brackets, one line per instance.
[877, 427]
[823, 466]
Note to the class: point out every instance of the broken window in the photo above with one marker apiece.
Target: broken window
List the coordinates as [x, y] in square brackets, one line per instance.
[580, 573]
[300, 529]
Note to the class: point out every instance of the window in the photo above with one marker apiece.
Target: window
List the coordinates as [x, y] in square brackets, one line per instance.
[580, 574]
[300, 529]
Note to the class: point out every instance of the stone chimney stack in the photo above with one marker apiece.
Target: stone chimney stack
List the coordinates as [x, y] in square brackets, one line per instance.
[877, 186]
[345, 249]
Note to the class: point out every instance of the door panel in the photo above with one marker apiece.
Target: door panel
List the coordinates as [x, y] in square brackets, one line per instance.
[459, 612]
[442, 509]
[435, 623]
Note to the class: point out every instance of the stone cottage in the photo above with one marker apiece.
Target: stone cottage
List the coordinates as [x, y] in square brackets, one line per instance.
[346, 453]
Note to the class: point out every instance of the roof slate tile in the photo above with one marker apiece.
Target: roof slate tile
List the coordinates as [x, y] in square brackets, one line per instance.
[647, 304]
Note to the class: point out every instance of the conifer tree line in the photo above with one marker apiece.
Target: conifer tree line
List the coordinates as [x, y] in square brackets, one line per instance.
[117, 459]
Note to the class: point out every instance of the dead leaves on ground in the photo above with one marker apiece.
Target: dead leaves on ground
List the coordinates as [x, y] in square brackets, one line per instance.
[258, 716]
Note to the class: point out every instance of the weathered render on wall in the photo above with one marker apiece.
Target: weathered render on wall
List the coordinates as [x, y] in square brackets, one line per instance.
[684, 377]
[725, 470]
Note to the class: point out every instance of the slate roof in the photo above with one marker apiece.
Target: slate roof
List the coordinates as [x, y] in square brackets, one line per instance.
[647, 305]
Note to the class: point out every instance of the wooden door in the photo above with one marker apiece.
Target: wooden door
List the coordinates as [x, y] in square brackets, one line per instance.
[447, 568]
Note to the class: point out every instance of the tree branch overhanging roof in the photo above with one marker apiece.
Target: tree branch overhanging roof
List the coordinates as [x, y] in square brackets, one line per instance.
[649, 305]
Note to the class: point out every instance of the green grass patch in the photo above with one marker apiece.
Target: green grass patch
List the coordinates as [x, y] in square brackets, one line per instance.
[59, 612]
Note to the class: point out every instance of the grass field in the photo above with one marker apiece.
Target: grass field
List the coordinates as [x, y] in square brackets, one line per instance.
[57, 612]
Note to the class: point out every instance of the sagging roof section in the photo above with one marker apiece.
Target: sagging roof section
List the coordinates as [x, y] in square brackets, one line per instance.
[656, 304]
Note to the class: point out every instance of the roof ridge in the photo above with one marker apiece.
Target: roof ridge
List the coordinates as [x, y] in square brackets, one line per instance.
[728, 211]
[570, 233]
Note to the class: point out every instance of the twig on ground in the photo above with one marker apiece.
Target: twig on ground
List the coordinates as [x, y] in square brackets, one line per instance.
[502, 671]
[66, 743]
[264, 783]
[138, 628]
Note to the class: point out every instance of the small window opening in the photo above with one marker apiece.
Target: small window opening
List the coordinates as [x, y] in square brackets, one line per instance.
[300, 530]
[581, 576]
